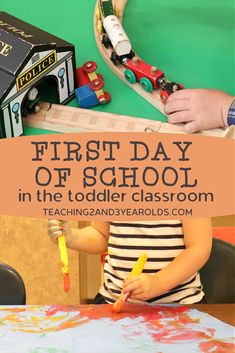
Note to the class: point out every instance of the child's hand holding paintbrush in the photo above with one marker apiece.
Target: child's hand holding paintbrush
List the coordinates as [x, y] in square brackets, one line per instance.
[143, 286]
[127, 289]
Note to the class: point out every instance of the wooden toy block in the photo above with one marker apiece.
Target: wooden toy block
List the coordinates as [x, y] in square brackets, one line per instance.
[86, 98]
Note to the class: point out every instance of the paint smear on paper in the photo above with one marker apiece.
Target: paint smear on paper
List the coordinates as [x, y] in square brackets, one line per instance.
[142, 328]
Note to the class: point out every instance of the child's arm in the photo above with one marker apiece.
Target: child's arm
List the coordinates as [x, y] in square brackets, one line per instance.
[199, 109]
[198, 241]
[92, 239]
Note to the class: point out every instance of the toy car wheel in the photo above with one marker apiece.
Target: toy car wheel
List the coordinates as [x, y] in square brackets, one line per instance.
[104, 98]
[114, 58]
[105, 41]
[96, 85]
[164, 96]
[89, 66]
[146, 84]
[130, 76]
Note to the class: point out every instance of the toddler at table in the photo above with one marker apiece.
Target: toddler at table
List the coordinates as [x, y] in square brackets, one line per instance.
[176, 251]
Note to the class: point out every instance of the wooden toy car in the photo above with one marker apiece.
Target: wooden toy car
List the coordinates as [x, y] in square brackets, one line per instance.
[168, 88]
[148, 76]
[90, 87]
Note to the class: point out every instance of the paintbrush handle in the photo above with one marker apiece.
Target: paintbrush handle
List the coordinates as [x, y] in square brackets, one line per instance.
[64, 261]
[139, 266]
[137, 270]
[63, 254]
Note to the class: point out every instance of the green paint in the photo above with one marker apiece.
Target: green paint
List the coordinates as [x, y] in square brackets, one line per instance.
[47, 350]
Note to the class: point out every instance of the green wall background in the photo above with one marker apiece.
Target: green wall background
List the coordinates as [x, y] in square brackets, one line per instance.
[191, 41]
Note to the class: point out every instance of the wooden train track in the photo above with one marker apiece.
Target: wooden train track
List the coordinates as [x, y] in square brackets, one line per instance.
[61, 118]
[153, 97]
[69, 119]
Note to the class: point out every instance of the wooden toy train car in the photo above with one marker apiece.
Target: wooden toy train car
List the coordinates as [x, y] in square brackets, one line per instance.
[90, 87]
[117, 37]
[113, 35]
[150, 78]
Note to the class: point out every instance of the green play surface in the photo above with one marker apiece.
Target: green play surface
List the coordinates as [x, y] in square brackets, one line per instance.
[191, 41]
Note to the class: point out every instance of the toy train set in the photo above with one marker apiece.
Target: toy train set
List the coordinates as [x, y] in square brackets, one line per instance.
[42, 64]
[53, 65]
[114, 36]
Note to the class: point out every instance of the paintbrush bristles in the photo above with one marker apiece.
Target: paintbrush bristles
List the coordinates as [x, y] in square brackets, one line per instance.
[118, 306]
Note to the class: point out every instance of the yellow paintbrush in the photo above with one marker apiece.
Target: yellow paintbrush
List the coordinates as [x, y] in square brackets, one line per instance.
[64, 261]
[137, 270]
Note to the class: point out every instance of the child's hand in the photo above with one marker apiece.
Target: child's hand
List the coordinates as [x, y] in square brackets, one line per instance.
[142, 286]
[57, 228]
[199, 109]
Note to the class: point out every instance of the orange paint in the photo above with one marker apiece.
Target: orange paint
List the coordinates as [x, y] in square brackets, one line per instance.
[216, 346]
[165, 324]
[118, 306]
[66, 282]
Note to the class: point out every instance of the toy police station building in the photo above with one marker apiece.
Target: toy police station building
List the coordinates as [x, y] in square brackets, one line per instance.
[31, 58]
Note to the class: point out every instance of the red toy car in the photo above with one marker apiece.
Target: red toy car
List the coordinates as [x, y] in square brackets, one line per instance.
[90, 86]
[168, 88]
[148, 76]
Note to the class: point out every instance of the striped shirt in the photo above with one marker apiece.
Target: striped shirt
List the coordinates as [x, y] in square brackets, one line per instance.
[163, 241]
[231, 114]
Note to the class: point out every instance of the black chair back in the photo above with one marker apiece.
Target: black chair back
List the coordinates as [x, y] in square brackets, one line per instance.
[12, 289]
[218, 274]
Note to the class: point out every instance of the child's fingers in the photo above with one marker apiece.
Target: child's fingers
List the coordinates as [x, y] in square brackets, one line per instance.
[53, 229]
[56, 235]
[181, 94]
[128, 281]
[179, 117]
[54, 232]
[137, 294]
[177, 105]
[192, 127]
[131, 286]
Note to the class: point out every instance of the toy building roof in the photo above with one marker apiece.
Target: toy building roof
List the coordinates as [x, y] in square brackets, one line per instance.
[25, 40]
